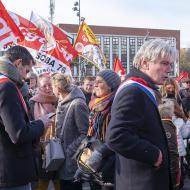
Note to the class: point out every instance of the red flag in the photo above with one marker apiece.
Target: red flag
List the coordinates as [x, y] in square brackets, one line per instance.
[118, 67]
[182, 75]
[56, 58]
[57, 41]
[9, 31]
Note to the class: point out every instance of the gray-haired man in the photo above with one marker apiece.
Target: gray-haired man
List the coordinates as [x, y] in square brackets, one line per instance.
[135, 131]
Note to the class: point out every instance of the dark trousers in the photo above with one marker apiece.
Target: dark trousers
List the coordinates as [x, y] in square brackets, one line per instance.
[70, 185]
[95, 186]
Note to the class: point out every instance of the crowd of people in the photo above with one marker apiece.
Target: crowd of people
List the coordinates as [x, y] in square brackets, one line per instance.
[124, 135]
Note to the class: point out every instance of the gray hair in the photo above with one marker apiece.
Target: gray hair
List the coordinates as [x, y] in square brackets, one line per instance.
[166, 109]
[154, 49]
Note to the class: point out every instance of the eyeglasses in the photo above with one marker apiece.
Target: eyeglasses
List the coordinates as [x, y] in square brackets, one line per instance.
[166, 63]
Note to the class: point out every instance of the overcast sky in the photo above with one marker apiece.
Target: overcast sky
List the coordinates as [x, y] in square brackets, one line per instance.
[159, 14]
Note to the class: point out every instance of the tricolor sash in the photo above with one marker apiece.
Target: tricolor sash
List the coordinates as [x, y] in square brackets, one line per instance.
[141, 85]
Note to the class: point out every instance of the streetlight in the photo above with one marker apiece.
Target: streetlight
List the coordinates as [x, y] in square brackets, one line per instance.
[76, 8]
[52, 10]
[146, 38]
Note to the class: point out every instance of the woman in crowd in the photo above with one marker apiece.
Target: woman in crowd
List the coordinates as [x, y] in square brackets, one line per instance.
[166, 110]
[102, 159]
[74, 126]
[31, 80]
[170, 90]
[42, 103]
[183, 132]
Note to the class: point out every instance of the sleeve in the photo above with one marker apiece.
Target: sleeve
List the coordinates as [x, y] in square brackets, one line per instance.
[185, 130]
[13, 117]
[31, 110]
[105, 151]
[127, 119]
[81, 113]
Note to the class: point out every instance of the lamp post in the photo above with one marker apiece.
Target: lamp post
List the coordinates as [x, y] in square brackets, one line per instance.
[52, 10]
[76, 8]
[146, 38]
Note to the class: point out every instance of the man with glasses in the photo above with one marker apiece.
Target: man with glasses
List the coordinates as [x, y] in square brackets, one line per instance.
[17, 133]
[135, 132]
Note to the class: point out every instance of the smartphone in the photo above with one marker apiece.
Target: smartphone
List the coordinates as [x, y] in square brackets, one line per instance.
[50, 115]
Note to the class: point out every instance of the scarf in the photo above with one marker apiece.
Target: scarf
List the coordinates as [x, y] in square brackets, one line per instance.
[141, 84]
[5, 79]
[100, 116]
[44, 103]
[145, 80]
[9, 70]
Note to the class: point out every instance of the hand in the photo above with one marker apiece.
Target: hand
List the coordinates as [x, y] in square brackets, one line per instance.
[159, 160]
[46, 121]
[95, 161]
[81, 176]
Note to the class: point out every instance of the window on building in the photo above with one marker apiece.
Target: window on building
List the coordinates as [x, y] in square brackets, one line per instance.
[99, 40]
[106, 41]
[115, 47]
[124, 52]
[131, 51]
[88, 69]
[140, 42]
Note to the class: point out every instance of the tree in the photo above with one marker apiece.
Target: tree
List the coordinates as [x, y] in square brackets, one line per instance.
[184, 64]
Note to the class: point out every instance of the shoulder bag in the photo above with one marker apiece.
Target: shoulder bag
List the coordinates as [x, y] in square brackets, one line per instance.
[54, 154]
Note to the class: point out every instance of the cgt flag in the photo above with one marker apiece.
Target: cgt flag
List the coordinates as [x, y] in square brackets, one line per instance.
[118, 67]
[9, 31]
[34, 40]
[57, 41]
[88, 47]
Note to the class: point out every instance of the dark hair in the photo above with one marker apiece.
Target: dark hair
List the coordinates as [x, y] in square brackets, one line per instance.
[89, 78]
[19, 52]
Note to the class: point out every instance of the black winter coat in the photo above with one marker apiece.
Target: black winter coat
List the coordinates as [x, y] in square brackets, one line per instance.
[75, 129]
[136, 134]
[171, 134]
[17, 134]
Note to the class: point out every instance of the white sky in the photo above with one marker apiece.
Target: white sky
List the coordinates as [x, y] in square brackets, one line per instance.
[160, 14]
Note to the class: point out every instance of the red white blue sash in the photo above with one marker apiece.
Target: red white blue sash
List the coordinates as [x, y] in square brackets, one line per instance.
[141, 84]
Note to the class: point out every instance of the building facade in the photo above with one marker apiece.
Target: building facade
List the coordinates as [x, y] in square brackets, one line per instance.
[122, 42]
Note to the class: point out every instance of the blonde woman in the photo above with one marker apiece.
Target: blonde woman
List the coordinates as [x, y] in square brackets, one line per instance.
[170, 90]
[75, 128]
[42, 103]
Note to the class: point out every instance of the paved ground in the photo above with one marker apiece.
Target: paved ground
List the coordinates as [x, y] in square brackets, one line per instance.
[187, 184]
[86, 186]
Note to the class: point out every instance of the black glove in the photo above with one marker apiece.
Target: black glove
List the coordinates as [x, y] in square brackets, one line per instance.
[95, 161]
[81, 176]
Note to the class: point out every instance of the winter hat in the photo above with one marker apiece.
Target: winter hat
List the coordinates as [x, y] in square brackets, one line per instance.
[112, 78]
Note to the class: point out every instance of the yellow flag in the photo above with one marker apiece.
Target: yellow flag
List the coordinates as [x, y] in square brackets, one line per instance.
[88, 47]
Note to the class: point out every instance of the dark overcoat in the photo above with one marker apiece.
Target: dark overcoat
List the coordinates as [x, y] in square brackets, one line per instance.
[75, 129]
[136, 134]
[17, 134]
